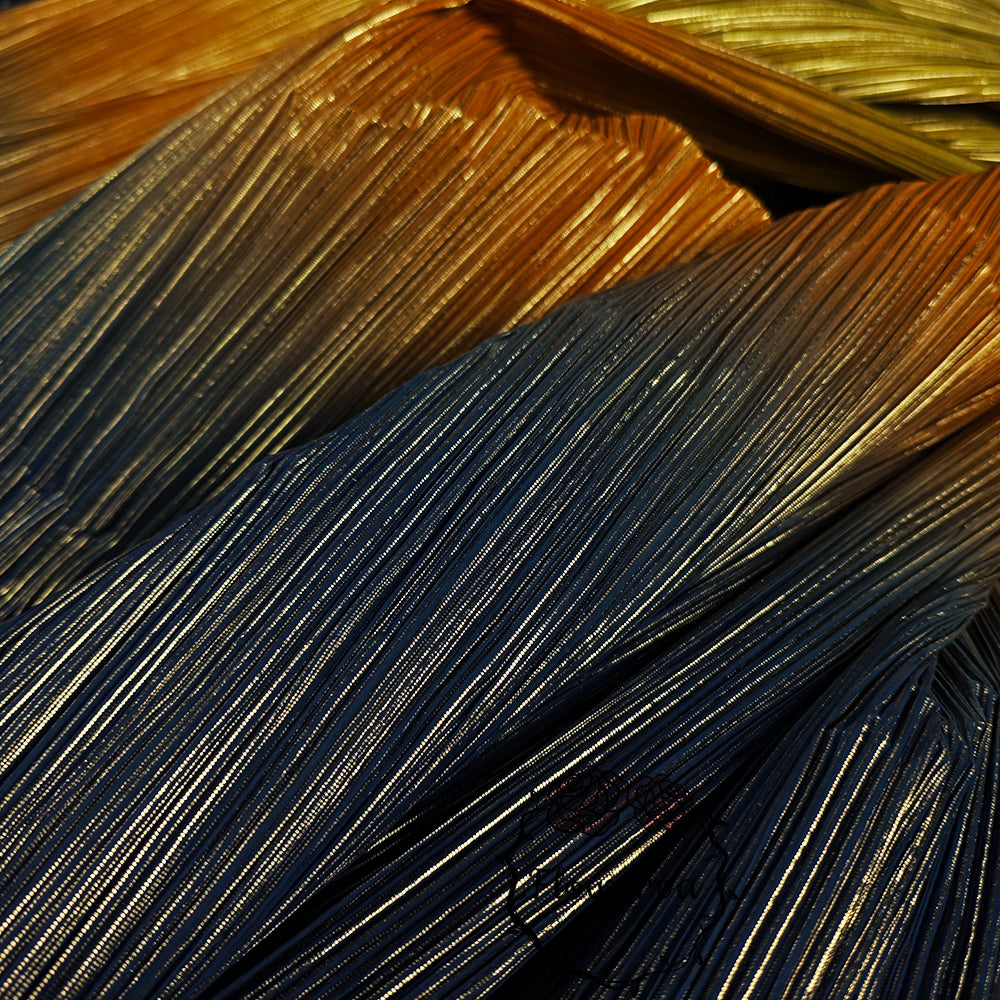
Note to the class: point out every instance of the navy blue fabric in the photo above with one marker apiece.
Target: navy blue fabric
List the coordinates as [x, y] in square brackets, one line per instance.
[585, 599]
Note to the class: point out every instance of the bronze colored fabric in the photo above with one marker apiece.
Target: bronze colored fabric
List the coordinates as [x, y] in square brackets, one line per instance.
[314, 739]
[370, 205]
[931, 64]
[83, 84]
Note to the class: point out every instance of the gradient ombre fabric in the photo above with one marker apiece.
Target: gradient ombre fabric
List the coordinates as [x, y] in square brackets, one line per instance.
[640, 643]
[84, 83]
[616, 600]
[321, 231]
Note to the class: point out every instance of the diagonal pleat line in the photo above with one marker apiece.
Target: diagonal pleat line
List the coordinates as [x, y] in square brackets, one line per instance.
[84, 85]
[439, 918]
[854, 851]
[660, 519]
[347, 217]
[930, 65]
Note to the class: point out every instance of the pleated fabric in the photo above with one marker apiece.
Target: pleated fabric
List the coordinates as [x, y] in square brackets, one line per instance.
[929, 63]
[861, 852]
[859, 855]
[848, 909]
[354, 213]
[83, 83]
[544, 609]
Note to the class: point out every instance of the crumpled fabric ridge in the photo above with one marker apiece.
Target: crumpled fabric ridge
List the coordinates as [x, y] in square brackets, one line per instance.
[747, 470]
[344, 218]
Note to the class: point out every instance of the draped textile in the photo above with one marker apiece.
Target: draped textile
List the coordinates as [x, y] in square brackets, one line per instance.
[584, 600]
[348, 216]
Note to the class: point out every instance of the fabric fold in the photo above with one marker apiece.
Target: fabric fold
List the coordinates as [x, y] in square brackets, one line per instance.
[359, 210]
[86, 84]
[929, 64]
[641, 534]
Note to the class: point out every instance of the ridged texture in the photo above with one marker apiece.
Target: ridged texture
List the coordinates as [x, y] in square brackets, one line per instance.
[455, 912]
[325, 230]
[764, 122]
[852, 862]
[933, 64]
[862, 851]
[286, 747]
[83, 84]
